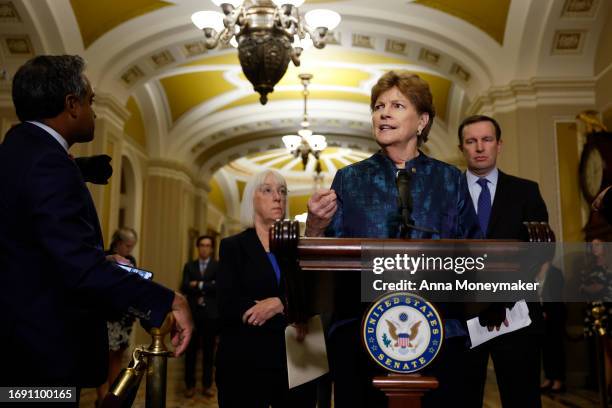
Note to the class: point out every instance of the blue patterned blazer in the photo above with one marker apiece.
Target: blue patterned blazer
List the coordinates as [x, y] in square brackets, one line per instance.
[368, 208]
[368, 200]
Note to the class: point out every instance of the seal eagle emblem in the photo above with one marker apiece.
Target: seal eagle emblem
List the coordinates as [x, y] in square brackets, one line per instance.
[402, 332]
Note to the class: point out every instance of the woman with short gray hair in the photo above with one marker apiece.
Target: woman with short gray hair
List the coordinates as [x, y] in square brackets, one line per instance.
[251, 293]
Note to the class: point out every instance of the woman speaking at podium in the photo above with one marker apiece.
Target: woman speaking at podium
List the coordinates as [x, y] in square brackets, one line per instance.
[363, 203]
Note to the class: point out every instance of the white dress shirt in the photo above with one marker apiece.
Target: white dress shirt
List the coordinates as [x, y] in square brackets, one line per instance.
[475, 189]
[52, 132]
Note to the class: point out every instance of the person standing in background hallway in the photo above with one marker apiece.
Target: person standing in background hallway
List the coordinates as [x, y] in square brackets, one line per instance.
[200, 286]
[119, 328]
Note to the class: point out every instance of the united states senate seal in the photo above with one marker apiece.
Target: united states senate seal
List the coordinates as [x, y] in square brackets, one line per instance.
[402, 332]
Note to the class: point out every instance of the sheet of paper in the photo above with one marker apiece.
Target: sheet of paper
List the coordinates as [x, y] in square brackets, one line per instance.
[306, 360]
[517, 318]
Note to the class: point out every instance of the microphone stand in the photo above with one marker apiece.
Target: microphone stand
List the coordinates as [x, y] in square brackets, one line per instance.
[402, 181]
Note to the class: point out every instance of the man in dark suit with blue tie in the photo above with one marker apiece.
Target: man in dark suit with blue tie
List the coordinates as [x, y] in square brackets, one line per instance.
[200, 287]
[502, 203]
[56, 286]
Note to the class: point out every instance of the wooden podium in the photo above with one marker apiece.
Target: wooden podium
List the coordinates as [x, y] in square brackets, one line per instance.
[405, 390]
[297, 255]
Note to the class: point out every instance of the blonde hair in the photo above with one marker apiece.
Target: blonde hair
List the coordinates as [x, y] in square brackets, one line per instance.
[247, 209]
[121, 235]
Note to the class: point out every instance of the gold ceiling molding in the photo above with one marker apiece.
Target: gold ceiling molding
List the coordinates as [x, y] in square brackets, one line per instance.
[580, 8]
[8, 13]
[18, 45]
[489, 16]
[224, 58]
[343, 55]
[568, 42]
[186, 91]
[95, 18]
[294, 95]
[162, 58]
[132, 75]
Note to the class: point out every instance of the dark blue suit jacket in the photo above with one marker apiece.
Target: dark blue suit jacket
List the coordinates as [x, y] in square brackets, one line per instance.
[56, 286]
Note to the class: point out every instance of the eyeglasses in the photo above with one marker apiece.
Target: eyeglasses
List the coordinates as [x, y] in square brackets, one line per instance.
[269, 191]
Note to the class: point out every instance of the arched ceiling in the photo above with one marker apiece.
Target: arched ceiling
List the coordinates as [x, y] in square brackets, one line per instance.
[229, 182]
[195, 106]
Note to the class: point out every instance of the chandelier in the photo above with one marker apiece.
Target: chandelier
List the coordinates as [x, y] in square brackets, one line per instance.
[305, 143]
[267, 33]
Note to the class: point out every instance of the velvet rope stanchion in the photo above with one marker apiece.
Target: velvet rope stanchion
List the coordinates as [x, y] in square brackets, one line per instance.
[152, 361]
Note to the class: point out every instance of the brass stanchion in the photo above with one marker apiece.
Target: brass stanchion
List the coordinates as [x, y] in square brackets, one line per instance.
[153, 360]
[157, 365]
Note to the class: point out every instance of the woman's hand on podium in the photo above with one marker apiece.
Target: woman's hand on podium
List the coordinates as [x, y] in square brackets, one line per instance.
[263, 311]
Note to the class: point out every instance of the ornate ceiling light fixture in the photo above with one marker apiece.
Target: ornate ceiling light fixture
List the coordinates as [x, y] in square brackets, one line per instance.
[305, 143]
[268, 34]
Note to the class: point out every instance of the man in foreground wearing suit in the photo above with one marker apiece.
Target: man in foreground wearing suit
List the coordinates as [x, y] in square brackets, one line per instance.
[57, 287]
[200, 287]
[502, 203]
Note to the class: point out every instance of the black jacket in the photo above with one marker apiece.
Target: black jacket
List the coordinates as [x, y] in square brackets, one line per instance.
[246, 275]
[191, 272]
[56, 286]
[516, 200]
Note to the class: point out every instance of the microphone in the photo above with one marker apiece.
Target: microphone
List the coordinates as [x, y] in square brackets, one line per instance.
[402, 181]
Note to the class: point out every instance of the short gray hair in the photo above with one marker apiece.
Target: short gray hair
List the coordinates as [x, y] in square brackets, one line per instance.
[247, 209]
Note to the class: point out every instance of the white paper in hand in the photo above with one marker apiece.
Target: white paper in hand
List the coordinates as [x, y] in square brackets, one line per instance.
[518, 317]
[306, 360]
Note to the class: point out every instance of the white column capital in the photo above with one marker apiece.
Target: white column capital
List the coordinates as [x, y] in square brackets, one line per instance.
[534, 92]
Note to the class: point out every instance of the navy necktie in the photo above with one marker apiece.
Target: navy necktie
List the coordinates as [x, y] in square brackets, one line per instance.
[484, 205]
